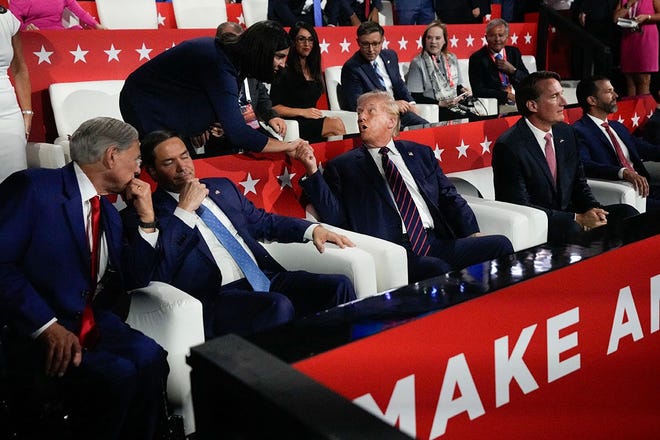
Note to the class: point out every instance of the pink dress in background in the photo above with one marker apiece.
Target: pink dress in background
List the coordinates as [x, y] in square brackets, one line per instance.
[639, 50]
[47, 14]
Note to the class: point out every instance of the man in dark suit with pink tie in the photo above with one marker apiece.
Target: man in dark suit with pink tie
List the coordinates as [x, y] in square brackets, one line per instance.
[395, 190]
[536, 163]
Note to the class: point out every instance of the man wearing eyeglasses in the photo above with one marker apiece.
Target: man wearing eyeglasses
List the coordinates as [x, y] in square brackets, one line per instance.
[374, 68]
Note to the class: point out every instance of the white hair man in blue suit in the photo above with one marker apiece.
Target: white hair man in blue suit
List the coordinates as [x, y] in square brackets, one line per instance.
[359, 190]
[57, 293]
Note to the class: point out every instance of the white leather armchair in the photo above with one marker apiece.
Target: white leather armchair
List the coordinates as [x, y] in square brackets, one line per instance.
[199, 14]
[128, 14]
[609, 192]
[45, 155]
[174, 319]
[522, 225]
[75, 102]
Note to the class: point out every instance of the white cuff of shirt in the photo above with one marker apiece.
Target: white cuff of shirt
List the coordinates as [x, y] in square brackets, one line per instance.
[187, 217]
[41, 329]
[149, 237]
[621, 173]
[309, 232]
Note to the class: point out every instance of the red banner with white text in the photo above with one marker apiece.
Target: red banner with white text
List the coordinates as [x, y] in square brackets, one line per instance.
[572, 354]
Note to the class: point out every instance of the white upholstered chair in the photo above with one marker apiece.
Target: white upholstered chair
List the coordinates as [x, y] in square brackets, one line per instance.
[45, 155]
[522, 225]
[127, 14]
[75, 102]
[199, 14]
[174, 319]
[254, 11]
[609, 192]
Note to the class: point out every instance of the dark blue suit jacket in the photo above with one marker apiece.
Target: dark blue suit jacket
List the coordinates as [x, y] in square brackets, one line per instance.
[598, 155]
[353, 194]
[522, 176]
[186, 89]
[187, 262]
[45, 257]
[358, 77]
[485, 77]
[651, 130]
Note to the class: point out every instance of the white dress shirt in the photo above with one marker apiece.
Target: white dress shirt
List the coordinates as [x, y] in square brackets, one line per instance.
[228, 267]
[626, 153]
[395, 157]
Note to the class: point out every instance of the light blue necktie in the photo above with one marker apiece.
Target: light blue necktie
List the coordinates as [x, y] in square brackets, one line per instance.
[257, 279]
[318, 17]
[380, 77]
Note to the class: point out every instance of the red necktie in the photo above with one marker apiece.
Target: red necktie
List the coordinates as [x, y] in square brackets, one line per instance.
[550, 157]
[617, 147]
[88, 331]
[414, 227]
[366, 10]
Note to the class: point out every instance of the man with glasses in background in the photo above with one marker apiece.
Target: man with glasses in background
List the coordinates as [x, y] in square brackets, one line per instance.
[374, 68]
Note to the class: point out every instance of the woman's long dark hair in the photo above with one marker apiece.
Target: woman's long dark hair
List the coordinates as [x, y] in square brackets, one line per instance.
[314, 58]
[253, 51]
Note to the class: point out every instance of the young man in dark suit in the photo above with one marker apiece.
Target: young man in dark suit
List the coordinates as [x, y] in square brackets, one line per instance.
[608, 150]
[242, 291]
[59, 284]
[375, 68]
[536, 163]
[441, 231]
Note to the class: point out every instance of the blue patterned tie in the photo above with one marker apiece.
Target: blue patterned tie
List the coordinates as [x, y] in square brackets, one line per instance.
[318, 17]
[380, 77]
[407, 209]
[257, 279]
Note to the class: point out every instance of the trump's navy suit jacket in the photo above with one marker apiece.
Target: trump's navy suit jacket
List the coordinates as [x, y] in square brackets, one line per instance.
[187, 262]
[598, 155]
[522, 176]
[485, 77]
[353, 194]
[45, 256]
[358, 77]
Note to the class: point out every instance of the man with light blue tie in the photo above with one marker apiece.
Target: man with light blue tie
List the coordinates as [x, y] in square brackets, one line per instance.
[209, 234]
[374, 68]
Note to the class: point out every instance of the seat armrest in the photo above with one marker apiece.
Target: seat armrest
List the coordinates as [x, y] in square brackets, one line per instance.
[430, 112]
[522, 225]
[45, 155]
[348, 118]
[609, 192]
[174, 320]
[356, 264]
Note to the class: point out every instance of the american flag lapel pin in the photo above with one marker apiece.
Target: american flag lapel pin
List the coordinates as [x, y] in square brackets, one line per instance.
[410, 153]
[217, 191]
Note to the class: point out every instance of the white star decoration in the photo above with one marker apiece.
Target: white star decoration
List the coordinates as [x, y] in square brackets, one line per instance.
[79, 55]
[438, 152]
[241, 19]
[144, 52]
[462, 149]
[419, 43]
[44, 56]
[621, 120]
[345, 46]
[453, 41]
[514, 39]
[324, 46]
[635, 120]
[528, 38]
[469, 40]
[386, 43]
[483, 41]
[249, 184]
[113, 54]
[485, 145]
[161, 20]
[403, 43]
[285, 178]
[320, 167]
